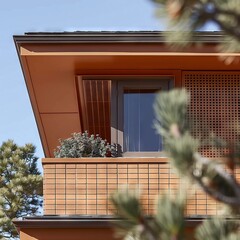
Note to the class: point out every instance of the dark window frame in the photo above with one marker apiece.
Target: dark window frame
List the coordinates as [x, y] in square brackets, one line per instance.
[118, 85]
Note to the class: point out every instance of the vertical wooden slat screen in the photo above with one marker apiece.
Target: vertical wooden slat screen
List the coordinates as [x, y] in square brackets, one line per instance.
[214, 104]
[96, 114]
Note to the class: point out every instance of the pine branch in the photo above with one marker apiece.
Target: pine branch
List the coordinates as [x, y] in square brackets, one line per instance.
[211, 177]
[228, 178]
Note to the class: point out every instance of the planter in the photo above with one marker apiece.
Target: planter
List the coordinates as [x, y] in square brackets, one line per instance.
[83, 186]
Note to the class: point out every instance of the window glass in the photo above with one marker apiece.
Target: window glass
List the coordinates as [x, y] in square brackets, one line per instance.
[138, 132]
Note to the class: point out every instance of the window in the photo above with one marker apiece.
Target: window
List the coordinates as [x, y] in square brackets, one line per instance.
[138, 133]
[120, 109]
[133, 115]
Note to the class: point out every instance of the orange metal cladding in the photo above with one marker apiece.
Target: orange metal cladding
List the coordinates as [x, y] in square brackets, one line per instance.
[83, 229]
[66, 233]
[51, 69]
[65, 99]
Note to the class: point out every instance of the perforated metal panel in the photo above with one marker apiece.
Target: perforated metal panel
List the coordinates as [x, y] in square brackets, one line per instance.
[214, 109]
[214, 104]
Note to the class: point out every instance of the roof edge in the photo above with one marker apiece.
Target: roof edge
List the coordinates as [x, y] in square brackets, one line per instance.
[110, 37]
[80, 222]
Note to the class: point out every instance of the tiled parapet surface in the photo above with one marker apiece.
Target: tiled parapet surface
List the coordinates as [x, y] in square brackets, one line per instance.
[83, 186]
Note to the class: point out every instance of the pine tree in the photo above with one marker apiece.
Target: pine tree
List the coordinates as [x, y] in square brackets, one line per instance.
[184, 17]
[20, 186]
[216, 178]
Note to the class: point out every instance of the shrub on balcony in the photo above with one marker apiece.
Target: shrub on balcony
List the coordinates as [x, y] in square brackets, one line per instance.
[85, 145]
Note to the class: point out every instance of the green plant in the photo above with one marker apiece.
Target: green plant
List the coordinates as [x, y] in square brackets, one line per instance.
[85, 145]
[215, 177]
[20, 186]
[185, 17]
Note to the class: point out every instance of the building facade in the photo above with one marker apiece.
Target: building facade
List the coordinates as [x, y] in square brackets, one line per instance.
[105, 82]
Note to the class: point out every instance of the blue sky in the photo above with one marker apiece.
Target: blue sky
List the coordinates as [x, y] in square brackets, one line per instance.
[17, 17]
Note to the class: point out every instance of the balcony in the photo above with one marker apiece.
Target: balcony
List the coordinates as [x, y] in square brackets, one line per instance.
[82, 186]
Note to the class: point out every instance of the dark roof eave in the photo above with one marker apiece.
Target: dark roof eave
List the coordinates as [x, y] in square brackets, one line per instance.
[79, 222]
[111, 37]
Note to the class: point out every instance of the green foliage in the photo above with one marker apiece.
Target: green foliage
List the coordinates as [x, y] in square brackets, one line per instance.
[168, 223]
[186, 16]
[128, 204]
[20, 185]
[83, 145]
[218, 229]
[172, 114]
[211, 176]
[170, 215]
[171, 110]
